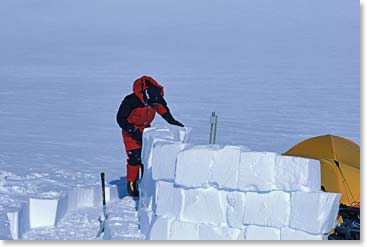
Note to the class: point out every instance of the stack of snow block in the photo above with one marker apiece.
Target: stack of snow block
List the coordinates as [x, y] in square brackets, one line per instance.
[166, 142]
[214, 192]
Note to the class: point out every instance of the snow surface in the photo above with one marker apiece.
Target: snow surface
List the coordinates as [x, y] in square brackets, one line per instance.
[274, 72]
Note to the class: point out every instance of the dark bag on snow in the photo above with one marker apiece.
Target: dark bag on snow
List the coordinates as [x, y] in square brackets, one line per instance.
[349, 229]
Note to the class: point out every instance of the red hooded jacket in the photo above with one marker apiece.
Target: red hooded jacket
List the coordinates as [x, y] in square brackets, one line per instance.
[135, 113]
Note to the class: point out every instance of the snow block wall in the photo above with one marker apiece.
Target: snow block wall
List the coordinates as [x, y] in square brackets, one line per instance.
[214, 192]
[48, 212]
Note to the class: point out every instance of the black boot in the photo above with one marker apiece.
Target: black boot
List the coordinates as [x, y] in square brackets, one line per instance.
[132, 188]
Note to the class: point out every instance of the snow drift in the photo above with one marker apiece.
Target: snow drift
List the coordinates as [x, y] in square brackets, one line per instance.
[202, 192]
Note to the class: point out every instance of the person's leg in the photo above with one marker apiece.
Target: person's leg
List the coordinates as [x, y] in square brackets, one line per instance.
[133, 164]
[133, 152]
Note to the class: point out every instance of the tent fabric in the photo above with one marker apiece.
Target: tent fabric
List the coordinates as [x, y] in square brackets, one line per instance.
[344, 179]
[328, 147]
[340, 164]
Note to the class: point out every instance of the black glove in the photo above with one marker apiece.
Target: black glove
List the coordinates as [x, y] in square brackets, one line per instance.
[137, 135]
[134, 132]
[175, 122]
[169, 118]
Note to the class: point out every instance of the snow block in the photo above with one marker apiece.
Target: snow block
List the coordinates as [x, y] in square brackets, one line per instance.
[184, 231]
[169, 199]
[297, 174]
[48, 212]
[111, 193]
[204, 206]
[150, 137]
[13, 218]
[160, 229]
[224, 171]
[164, 159]
[207, 232]
[193, 165]
[155, 134]
[287, 233]
[42, 212]
[243, 233]
[267, 209]
[62, 207]
[80, 198]
[314, 212]
[235, 209]
[146, 218]
[262, 233]
[19, 221]
[256, 171]
[146, 189]
[180, 134]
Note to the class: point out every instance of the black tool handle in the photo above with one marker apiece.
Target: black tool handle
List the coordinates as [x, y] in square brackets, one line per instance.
[103, 189]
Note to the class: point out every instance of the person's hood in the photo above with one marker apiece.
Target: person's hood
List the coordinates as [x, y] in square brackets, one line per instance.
[141, 84]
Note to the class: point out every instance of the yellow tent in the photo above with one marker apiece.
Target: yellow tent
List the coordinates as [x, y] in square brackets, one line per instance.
[340, 164]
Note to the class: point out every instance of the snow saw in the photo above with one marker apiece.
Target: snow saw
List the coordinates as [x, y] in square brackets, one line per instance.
[102, 219]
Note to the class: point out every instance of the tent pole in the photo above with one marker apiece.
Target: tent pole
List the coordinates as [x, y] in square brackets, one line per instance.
[346, 185]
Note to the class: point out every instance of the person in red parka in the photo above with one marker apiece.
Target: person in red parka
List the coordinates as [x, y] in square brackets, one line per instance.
[136, 112]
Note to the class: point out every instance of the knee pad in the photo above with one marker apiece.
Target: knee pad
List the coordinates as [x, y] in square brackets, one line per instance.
[134, 157]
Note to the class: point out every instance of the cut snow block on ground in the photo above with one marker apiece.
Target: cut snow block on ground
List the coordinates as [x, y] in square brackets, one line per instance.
[262, 233]
[80, 198]
[224, 170]
[314, 212]
[267, 209]
[164, 159]
[193, 165]
[287, 233]
[256, 171]
[297, 174]
[19, 221]
[48, 212]
[42, 212]
[169, 199]
[204, 206]
[13, 218]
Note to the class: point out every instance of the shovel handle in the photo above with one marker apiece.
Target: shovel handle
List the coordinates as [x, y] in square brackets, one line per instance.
[103, 189]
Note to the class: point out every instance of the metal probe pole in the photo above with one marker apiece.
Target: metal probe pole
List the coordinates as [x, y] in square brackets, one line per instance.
[213, 128]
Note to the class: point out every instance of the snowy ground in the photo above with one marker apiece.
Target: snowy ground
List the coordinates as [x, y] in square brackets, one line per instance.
[275, 73]
[83, 224]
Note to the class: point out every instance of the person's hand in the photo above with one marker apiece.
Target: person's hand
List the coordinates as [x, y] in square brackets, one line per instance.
[169, 118]
[137, 135]
[178, 123]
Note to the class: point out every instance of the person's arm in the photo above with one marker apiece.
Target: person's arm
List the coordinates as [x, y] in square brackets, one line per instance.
[122, 116]
[164, 111]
